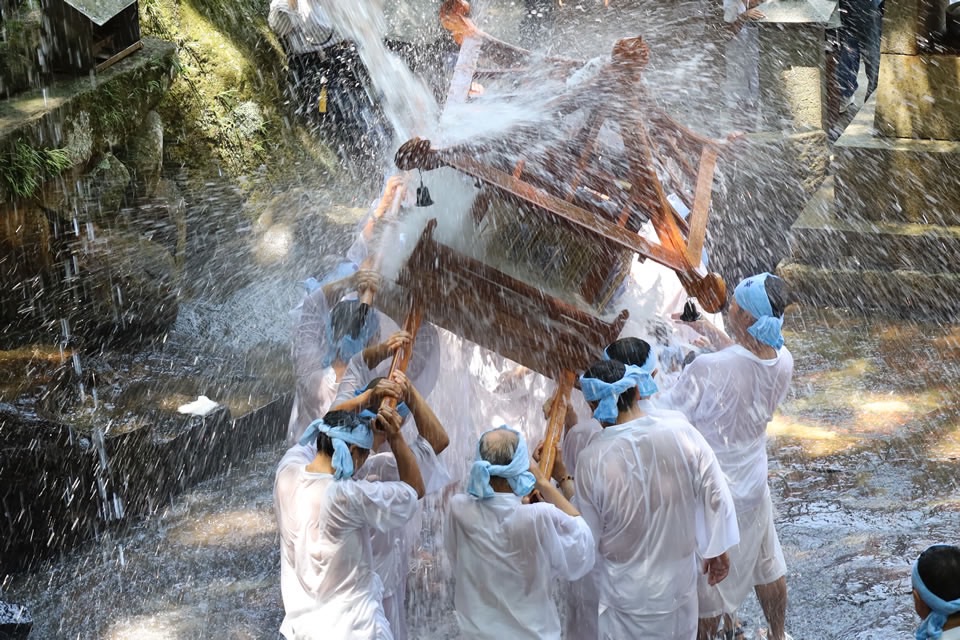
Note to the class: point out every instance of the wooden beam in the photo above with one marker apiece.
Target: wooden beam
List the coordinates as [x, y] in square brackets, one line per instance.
[555, 421]
[701, 206]
[109, 62]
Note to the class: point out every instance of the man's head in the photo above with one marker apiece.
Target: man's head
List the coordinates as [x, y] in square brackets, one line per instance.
[345, 421]
[610, 372]
[502, 465]
[351, 327]
[632, 351]
[938, 569]
[763, 295]
[499, 446]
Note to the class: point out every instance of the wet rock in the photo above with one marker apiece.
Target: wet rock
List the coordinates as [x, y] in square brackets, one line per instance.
[15, 621]
[95, 197]
[26, 257]
[315, 226]
[124, 288]
[144, 154]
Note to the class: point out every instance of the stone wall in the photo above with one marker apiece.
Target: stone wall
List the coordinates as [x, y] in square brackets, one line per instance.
[80, 259]
[60, 485]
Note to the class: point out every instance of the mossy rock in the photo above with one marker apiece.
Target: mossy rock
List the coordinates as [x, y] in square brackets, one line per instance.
[144, 154]
[228, 113]
[124, 291]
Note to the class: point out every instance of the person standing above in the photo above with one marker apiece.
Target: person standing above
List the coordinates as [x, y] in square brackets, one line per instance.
[505, 554]
[324, 517]
[859, 35]
[936, 593]
[654, 496]
[730, 397]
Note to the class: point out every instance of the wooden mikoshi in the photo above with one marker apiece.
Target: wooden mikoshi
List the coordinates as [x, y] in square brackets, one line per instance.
[563, 186]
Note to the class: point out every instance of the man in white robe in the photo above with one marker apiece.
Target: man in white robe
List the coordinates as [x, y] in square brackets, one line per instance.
[392, 549]
[330, 590]
[654, 495]
[323, 345]
[730, 397]
[583, 597]
[506, 554]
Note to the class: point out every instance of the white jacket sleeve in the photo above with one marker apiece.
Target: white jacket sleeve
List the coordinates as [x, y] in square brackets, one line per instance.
[717, 528]
[356, 377]
[568, 541]
[686, 394]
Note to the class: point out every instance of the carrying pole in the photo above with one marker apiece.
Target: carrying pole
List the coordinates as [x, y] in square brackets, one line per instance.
[555, 421]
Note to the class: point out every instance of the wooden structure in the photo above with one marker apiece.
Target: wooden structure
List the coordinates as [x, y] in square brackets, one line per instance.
[90, 35]
[568, 183]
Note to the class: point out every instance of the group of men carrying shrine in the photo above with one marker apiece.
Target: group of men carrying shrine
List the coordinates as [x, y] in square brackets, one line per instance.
[658, 511]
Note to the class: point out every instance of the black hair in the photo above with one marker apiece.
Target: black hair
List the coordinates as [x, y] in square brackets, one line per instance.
[348, 317]
[629, 351]
[613, 371]
[344, 419]
[777, 293]
[939, 568]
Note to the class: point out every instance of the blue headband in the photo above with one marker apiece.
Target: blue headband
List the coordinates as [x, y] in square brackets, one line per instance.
[751, 295]
[360, 435]
[646, 386]
[348, 346]
[607, 393]
[932, 626]
[517, 473]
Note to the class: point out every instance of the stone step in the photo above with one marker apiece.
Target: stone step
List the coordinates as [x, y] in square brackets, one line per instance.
[899, 292]
[895, 179]
[824, 236]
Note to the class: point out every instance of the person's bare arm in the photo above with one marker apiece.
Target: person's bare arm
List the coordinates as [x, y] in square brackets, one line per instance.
[371, 398]
[428, 425]
[375, 354]
[717, 568]
[717, 338]
[389, 421]
[550, 493]
[563, 479]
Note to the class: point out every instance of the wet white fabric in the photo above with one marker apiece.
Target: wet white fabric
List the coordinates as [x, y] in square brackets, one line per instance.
[505, 557]
[392, 549]
[951, 634]
[756, 559]
[730, 397]
[654, 495]
[576, 440]
[329, 588]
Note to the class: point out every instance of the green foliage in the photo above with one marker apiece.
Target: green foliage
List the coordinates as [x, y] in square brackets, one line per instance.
[23, 168]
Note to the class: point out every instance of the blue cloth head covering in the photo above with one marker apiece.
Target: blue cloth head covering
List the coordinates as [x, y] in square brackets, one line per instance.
[360, 435]
[606, 393]
[646, 386]
[348, 346]
[517, 473]
[751, 295]
[932, 626]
